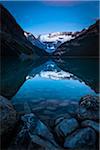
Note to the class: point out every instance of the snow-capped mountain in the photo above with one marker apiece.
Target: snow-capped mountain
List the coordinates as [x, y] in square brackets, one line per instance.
[50, 42]
[54, 40]
[34, 40]
[56, 36]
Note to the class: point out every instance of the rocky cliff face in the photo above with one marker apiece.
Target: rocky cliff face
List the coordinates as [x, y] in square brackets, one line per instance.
[85, 43]
[34, 40]
[13, 41]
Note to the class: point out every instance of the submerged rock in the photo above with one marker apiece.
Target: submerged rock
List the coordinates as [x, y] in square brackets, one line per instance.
[82, 138]
[92, 124]
[66, 127]
[35, 132]
[58, 125]
[60, 118]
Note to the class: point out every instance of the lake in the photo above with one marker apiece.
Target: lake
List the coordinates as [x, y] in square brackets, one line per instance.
[59, 80]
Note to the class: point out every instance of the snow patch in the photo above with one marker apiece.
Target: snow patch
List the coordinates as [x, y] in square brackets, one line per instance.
[55, 75]
[49, 42]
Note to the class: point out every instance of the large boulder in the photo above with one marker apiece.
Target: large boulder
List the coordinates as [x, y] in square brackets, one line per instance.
[92, 124]
[60, 118]
[89, 108]
[90, 102]
[7, 116]
[81, 139]
[35, 133]
[66, 127]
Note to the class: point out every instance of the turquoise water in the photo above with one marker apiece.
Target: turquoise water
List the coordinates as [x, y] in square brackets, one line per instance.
[49, 82]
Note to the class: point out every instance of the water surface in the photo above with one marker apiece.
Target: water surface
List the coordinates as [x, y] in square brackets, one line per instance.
[50, 82]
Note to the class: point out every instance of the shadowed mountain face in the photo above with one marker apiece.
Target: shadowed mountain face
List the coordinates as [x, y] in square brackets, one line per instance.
[13, 41]
[13, 75]
[18, 55]
[86, 43]
[87, 69]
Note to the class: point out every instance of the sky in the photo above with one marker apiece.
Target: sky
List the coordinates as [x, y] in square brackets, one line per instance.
[42, 17]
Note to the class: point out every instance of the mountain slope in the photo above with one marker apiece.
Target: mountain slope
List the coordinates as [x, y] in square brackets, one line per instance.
[13, 41]
[49, 42]
[55, 39]
[86, 43]
[34, 40]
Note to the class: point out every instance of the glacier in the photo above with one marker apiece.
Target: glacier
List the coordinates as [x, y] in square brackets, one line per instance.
[49, 42]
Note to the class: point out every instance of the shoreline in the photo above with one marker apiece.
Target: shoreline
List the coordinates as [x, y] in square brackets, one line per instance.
[62, 121]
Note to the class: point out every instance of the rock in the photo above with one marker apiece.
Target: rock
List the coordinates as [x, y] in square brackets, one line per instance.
[7, 116]
[89, 108]
[36, 132]
[66, 127]
[90, 102]
[85, 114]
[92, 124]
[61, 118]
[82, 138]
[72, 108]
[51, 108]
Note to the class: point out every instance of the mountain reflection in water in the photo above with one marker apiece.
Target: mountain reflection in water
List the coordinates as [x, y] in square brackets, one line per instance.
[49, 82]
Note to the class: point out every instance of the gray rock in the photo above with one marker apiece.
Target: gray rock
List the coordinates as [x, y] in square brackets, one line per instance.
[61, 118]
[36, 132]
[89, 108]
[66, 127]
[82, 138]
[72, 108]
[43, 142]
[92, 124]
[84, 114]
[51, 108]
[90, 102]
[7, 116]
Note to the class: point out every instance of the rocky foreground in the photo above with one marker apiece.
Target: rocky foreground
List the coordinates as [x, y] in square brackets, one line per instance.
[53, 125]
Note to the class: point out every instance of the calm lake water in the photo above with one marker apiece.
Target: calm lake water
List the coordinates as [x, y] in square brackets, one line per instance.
[68, 79]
